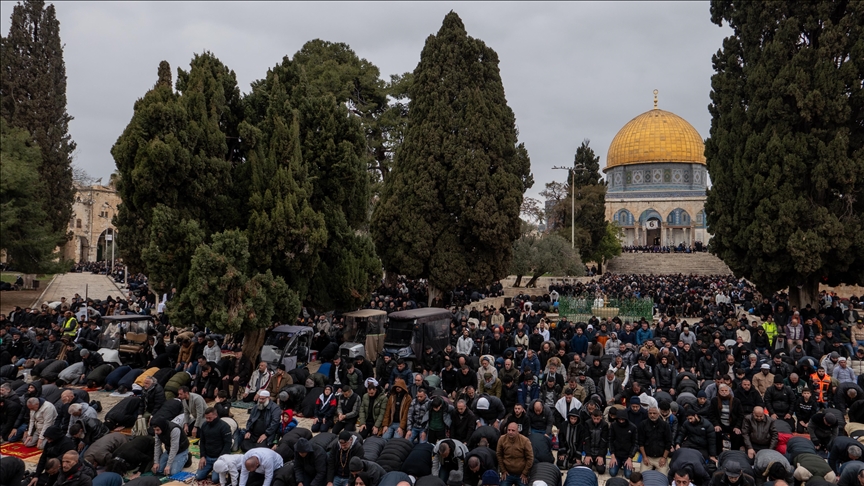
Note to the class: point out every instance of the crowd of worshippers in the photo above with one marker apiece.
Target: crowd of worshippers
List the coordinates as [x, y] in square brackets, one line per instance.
[696, 247]
[520, 393]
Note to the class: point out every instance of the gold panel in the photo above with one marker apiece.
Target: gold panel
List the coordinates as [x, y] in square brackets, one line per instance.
[656, 136]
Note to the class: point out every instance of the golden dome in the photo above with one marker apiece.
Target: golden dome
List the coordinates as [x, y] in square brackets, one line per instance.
[656, 136]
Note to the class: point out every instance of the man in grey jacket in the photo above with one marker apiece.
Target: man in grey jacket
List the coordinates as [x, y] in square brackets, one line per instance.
[193, 410]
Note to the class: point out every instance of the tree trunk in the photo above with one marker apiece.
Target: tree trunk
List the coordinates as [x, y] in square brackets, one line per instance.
[518, 281]
[533, 282]
[434, 293]
[808, 293]
[253, 341]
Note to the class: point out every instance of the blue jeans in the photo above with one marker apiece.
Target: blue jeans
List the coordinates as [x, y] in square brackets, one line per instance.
[619, 465]
[177, 465]
[20, 433]
[391, 431]
[415, 438]
[207, 469]
[511, 480]
[340, 481]
[108, 479]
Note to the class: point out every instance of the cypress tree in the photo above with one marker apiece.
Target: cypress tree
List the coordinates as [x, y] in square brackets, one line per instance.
[25, 234]
[177, 154]
[33, 98]
[786, 146]
[449, 210]
[590, 203]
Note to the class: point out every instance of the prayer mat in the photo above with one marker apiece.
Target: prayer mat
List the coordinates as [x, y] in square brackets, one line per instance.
[17, 449]
[243, 405]
[195, 450]
[182, 477]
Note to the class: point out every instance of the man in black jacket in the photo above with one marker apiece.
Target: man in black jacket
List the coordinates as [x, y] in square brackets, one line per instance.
[10, 409]
[57, 443]
[310, 464]
[697, 433]
[215, 440]
[623, 443]
[339, 459]
[595, 442]
[655, 441]
[74, 471]
[780, 401]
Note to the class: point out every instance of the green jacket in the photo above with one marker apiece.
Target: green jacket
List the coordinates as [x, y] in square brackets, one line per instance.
[377, 409]
[770, 331]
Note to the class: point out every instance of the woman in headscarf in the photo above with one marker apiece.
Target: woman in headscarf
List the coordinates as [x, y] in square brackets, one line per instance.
[325, 409]
[176, 444]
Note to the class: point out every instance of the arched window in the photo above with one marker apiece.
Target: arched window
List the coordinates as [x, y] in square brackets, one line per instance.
[78, 223]
[678, 217]
[700, 219]
[623, 217]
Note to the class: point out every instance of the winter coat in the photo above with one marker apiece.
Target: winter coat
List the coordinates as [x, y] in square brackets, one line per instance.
[402, 413]
[736, 412]
[542, 421]
[379, 405]
[759, 432]
[41, 419]
[664, 376]
[338, 459]
[102, 451]
[515, 455]
[623, 439]
[654, 436]
[458, 454]
[314, 465]
[271, 415]
[780, 401]
[701, 435]
[595, 438]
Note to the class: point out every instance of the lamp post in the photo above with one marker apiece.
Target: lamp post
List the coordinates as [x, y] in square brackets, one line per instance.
[573, 170]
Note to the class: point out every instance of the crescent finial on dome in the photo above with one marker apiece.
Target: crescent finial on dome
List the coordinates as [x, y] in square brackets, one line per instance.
[656, 92]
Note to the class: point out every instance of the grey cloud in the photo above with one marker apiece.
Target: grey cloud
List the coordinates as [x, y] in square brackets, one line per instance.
[571, 70]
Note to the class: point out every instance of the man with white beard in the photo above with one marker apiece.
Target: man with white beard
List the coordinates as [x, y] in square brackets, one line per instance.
[262, 425]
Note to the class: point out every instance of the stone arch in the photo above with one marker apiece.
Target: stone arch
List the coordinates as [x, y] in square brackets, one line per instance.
[678, 217]
[623, 217]
[649, 214]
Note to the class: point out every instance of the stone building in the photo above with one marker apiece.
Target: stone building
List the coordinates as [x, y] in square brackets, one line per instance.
[91, 227]
[656, 181]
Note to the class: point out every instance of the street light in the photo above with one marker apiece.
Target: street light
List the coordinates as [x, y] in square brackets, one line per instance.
[573, 170]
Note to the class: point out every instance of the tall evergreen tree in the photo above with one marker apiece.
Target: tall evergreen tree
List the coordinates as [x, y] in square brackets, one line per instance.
[33, 97]
[590, 203]
[449, 211]
[786, 146]
[25, 233]
[177, 152]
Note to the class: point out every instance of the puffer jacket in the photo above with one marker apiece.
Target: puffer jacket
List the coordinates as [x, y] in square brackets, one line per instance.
[458, 454]
[640, 375]
[759, 432]
[595, 439]
[664, 376]
[378, 407]
[780, 401]
[701, 435]
[541, 421]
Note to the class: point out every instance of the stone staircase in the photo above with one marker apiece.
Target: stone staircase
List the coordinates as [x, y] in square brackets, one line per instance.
[667, 263]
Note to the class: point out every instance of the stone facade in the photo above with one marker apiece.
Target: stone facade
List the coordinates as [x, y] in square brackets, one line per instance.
[91, 227]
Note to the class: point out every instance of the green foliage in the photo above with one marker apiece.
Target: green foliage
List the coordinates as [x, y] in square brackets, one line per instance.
[333, 153]
[610, 245]
[175, 152]
[226, 294]
[786, 146]
[287, 233]
[538, 256]
[172, 243]
[25, 232]
[590, 202]
[449, 210]
[33, 98]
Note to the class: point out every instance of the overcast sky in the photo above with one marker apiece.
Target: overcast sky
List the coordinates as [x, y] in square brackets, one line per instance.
[570, 70]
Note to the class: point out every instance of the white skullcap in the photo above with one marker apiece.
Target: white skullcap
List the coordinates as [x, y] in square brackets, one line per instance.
[264, 394]
[370, 382]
